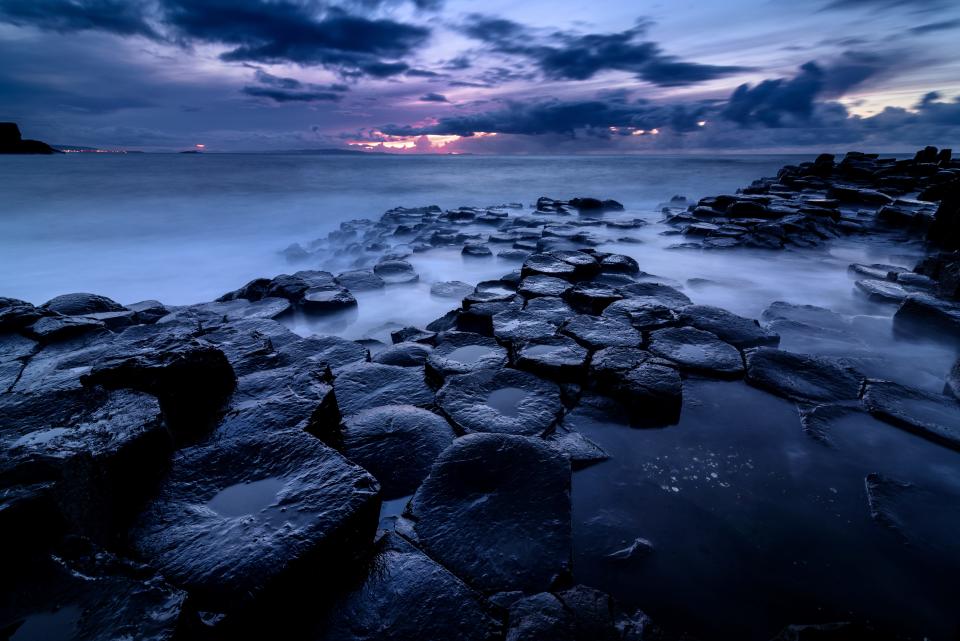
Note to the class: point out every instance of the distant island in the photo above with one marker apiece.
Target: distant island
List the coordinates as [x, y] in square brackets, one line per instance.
[11, 142]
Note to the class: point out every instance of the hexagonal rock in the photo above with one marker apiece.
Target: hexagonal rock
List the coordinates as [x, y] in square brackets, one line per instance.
[239, 519]
[81, 593]
[408, 354]
[495, 510]
[641, 313]
[323, 300]
[519, 326]
[656, 293]
[619, 263]
[535, 286]
[650, 388]
[451, 289]
[697, 351]
[16, 314]
[506, 401]
[462, 353]
[551, 309]
[395, 272]
[81, 304]
[558, 358]
[361, 386]
[409, 596]
[591, 298]
[738, 331]
[802, 377]
[360, 280]
[397, 444]
[547, 265]
[597, 332]
[932, 416]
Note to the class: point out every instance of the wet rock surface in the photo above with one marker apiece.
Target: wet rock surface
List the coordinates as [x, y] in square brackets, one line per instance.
[801, 377]
[932, 416]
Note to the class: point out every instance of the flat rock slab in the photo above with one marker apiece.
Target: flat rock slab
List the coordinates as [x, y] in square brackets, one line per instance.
[395, 272]
[649, 388]
[882, 291]
[656, 293]
[495, 510]
[409, 596]
[642, 314]
[397, 444]
[802, 377]
[738, 331]
[519, 326]
[451, 289]
[547, 265]
[537, 285]
[464, 352]
[928, 316]
[932, 416]
[408, 354]
[697, 351]
[591, 298]
[84, 593]
[558, 358]
[237, 518]
[597, 332]
[551, 309]
[365, 385]
[505, 401]
[359, 280]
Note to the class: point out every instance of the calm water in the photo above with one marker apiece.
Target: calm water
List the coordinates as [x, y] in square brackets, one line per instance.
[754, 523]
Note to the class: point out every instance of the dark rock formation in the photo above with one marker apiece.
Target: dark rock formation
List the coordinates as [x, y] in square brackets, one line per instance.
[801, 377]
[697, 351]
[931, 416]
[11, 142]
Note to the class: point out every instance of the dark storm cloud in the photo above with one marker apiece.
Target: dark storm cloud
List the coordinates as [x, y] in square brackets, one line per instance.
[945, 25]
[114, 16]
[886, 4]
[433, 97]
[272, 32]
[279, 89]
[568, 56]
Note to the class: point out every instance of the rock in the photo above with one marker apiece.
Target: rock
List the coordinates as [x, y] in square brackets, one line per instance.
[642, 314]
[451, 289]
[591, 298]
[877, 271]
[12, 143]
[395, 272]
[363, 386]
[404, 354]
[475, 250]
[81, 304]
[550, 308]
[656, 293]
[534, 286]
[505, 401]
[547, 265]
[540, 617]
[57, 328]
[115, 321]
[218, 312]
[332, 352]
[486, 493]
[409, 596]
[882, 291]
[649, 388]
[397, 444]
[327, 299]
[639, 549]
[738, 331]
[925, 315]
[414, 335]
[90, 455]
[932, 416]
[244, 521]
[462, 353]
[619, 263]
[697, 351]
[558, 358]
[519, 326]
[360, 280]
[597, 332]
[801, 377]
[952, 385]
[858, 195]
[581, 451]
[192, 380]
[806, 315]
[83, 593]
[16, 315]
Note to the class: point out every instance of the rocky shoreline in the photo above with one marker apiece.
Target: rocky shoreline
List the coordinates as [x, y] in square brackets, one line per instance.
[204, 472]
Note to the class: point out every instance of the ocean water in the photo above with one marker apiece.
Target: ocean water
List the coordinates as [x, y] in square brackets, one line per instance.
[754, 523]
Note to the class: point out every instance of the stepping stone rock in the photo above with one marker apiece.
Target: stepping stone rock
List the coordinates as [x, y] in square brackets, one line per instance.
[57, 328]
[404, 354]
[360, 280]
[932, 416]
[597, 332]
[738, 331]
[505, 401]
[397, 444]
[487, 493]
[451, 289]
[239, 519]
[547, 265]
[619, 263]
[697, 351]
[926, 315]
[81, 304]
[394, 272]
[363, 386]
[327, 299]
[534, 286]
[519, 326]
[642, 314]
[462, 353]
[649, 388]
[656, 293]
[591, 298]
[409, 596]
[558, 358]
[551, 309]
[882, 291]
[801, 377]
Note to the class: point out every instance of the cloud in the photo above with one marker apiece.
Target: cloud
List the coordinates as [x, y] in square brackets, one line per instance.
[433, 97]
[885, 4]
[931, 27]
[569, 56]
[279, 89]
[121, 17]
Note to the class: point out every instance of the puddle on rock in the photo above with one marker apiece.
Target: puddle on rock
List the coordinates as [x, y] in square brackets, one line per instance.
[507, 400]
[469, 354]
[257, 499]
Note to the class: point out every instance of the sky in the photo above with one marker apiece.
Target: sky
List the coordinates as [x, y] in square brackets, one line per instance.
[492, 77]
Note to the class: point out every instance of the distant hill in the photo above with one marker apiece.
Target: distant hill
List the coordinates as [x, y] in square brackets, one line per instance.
[327, 152]
[11, 142]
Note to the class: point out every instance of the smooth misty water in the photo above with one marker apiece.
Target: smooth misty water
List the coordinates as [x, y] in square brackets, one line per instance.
[754, 523]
